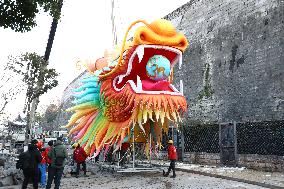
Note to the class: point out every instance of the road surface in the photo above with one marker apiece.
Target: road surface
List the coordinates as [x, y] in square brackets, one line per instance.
[105, 180]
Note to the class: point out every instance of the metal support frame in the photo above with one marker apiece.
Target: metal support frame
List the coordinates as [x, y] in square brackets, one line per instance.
[133, 147]
[150, 138]
[143, 167]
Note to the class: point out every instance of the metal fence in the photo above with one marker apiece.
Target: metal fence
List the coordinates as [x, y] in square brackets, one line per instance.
[201, 138]
[264, 138]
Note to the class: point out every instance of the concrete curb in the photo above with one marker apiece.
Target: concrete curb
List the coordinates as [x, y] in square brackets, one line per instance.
[226, 177]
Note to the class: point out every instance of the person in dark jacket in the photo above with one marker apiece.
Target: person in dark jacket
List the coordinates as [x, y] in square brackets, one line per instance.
[80, 156]
[123, 152]
[172, 154]
[58, 155]
[31, 172]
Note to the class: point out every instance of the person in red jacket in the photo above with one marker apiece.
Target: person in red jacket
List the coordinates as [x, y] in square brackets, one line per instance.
[172, 154]
[80, 156]
[42, 165]
[50, 144]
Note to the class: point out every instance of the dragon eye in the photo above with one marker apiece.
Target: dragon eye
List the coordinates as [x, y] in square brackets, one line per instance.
[158, 68]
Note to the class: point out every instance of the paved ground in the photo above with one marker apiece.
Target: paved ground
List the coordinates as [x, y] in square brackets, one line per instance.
[152, 181]
[275, 179]
[106, 180]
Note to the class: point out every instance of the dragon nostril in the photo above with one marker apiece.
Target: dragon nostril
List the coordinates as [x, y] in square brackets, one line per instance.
[142, 37]
[181, 44]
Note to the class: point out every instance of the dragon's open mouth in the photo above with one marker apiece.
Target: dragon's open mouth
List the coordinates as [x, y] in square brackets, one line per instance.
[150, 70]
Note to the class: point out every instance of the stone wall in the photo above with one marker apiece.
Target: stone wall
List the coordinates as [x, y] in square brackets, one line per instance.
[261, 162]
[233, 69]
[252, 161]
[202, 158]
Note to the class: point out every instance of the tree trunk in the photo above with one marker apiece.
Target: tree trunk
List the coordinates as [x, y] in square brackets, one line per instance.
[31, 120]
[28, 125]
[33, 105]
[52, 33]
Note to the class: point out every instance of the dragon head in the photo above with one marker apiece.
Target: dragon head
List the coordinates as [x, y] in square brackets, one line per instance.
[147, 66]
[146, 70]
[136, 87]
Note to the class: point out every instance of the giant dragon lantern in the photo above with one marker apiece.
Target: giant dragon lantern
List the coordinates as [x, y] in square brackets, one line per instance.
[132, 90]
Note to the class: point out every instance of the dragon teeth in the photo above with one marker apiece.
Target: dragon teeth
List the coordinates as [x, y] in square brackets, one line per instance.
[140, 52]
[139, 84]
[180, 61]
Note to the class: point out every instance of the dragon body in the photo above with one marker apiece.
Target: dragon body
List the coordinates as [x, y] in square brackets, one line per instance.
[132, 90]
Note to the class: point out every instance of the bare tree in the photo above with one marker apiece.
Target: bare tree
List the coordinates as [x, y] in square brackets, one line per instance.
[38, 80]
[10, 87]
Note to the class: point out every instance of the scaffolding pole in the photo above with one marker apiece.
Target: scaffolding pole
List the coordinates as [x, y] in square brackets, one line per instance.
[150, 146]
[133, 148]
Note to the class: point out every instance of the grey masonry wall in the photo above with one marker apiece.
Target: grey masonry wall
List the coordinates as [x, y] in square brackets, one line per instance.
[233, 69]
[67, 100]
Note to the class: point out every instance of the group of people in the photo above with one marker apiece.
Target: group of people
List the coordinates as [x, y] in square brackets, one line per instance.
[36, 159]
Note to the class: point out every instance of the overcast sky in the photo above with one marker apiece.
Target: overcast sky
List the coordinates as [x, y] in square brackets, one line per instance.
[84, 32]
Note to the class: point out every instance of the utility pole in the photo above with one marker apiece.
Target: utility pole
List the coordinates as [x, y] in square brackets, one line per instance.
[46, 58]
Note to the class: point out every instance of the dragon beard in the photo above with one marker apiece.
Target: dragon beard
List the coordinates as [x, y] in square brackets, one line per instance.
[141, 111]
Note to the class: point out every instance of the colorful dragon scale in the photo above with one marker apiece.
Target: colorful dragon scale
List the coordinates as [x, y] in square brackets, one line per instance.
[131, 90]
